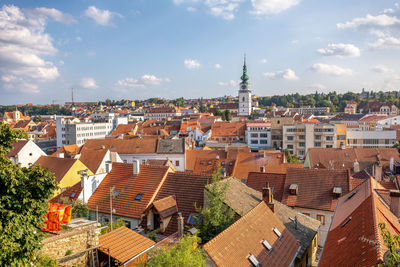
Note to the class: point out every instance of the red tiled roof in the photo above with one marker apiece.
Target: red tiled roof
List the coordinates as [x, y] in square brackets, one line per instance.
[16, 148]
[128, 185]
[188, 189]
[259, 180]
[315, 188]
[234, 245]
[166, 206]
[123, 129]
[354, 237]
[252, 162]
[92, 158]
[207, 166]
[125, 146]
[58, 166]
[123, 244]
[72, 193]
[193, 155]
[227, 129]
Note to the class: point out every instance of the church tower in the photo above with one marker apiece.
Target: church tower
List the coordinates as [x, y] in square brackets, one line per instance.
[244, 93]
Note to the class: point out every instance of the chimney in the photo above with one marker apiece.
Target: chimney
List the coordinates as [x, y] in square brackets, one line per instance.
[391, 166]
[377, 171]
[356, 166]
[262, 169]
[180, 224]
[136, 166]
[108, 164]
[61, 155]
[395, 202]
[268, 198]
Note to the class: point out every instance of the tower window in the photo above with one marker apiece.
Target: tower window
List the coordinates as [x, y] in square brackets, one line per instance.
[243, 99]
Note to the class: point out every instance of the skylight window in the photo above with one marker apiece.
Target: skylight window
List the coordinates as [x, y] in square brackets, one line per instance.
[139, 197]
[254, 260]
[267, 245]
[347, 221]
[276, 231]
[209, 162]
[202, 162]
[72, 195]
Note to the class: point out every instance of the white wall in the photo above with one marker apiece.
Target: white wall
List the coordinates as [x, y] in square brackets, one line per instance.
[172, 157]
[90, 184]
[29, 154]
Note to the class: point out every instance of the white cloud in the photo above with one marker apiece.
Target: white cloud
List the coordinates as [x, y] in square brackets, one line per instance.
[153, 80]
[23, 42]
[218, 66]
[219, 8]
[78, 38]
[191, 64]
[61, 62]
[191, 9]
[101, 17]
[370, 21]
[287, 74]
[331, 69]
[148, 79]
[388, 11]
[340, 50]
[386, 42]
[230, 83]
[262, 7]
[264, 60]
[381, 69]
[88, 82]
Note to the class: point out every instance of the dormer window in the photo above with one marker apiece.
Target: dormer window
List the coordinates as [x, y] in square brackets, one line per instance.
[209, 162]
[294, 189]
[277, 232]
[337, 191]
[202, 162]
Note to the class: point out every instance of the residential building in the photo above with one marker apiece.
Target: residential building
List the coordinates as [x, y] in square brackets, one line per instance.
[357, 137]
[369, 121]
[132, 253]
[350, 120]
[314, 192]
[299, 138]
[127, 190]
[244, 93]
[355, 237]
[277, 130]
[97, 159]
[161, 113]
[14, 116]
[242, 199]
[307, 110]
[258, 135]
[68, 172]
[376, 107]
[351, 107]
[145, 148]
[266, 242]
[25, 153]
[341, 135]
[71, 131]
[228, 132]
[388, 121]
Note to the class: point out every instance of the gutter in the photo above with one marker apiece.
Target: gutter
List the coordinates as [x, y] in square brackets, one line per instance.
[137, 255]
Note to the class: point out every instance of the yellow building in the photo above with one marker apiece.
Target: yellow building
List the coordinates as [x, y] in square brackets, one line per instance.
[341, 133]
[67, 171]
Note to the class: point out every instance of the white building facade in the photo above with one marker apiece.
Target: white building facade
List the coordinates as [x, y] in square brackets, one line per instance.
[258, 136]
[244, 94]
[378, 138]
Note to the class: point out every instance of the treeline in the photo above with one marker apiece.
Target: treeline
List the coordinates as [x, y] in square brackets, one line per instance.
[37, 110]
[336, 102]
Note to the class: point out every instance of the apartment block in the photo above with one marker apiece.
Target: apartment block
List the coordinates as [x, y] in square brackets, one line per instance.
[357, 137]
[258, 135]
[298, 138]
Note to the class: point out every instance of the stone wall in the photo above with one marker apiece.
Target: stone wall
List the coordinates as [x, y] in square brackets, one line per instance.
[77, 241]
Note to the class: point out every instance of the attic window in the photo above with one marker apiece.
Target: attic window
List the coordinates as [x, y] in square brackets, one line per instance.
[337, 190]
[223, 163]
[294, 189]
[202, 162]
[230, 163]
[72, 195]
[209, 162]
[267, 245]
[139, 196]
[347, 221]
[276, 231]
[254, 260]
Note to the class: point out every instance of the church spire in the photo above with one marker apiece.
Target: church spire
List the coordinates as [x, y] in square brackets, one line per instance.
[245, 77]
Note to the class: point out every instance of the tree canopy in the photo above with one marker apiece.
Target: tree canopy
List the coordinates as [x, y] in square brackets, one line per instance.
[24, 194]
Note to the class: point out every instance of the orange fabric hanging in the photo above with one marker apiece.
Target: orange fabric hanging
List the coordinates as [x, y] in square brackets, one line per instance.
[56, 215]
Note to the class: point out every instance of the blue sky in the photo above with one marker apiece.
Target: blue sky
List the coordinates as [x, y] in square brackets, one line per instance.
[193, 48]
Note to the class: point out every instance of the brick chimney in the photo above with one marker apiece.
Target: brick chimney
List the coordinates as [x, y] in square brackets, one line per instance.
[395, 202]
[136, 166]
[180, 224]
[268, 198]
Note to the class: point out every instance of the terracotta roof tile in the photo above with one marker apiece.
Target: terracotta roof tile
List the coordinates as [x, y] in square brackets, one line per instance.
[58, 166]
[123, 129]
[127, 186]
[354, 238]
[16, 148]
[193, 155]
[122, 146]
[72, 193]
[315, 188]
[227, 129]
[252, 162]
[166, 206]
[234, 245]
[207, 166]
[259, 180]
[92, 158]
[123, 244]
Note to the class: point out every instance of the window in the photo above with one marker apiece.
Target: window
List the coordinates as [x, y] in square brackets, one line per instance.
[127, 224]
[209, 162]
[267, 245]
[277, 232]
[329, 138]
[317, 137]
[263, 141]
[302, 144]
[307, 214]
[290, 138]
[202, 162]
[329, 146]
[254, 142]
[254, 135]
[125, 161]
[223, 163]
[177, 163]
[254, 260]
[30, 154]
[264, 135]
[301, 152]
[317, 144]
[290, 146]
[139, 197]
[321, 218]
[302, 137]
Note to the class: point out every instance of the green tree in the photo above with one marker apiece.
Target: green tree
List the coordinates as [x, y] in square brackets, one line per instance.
[116, 224]
[185, 253]
[216, 216]
[24, 194]
[392, 257]
[291, 158]
[397, 145]
[179, 102]
[203, 108]
[227, 114]
[79, 208]
[218, 113]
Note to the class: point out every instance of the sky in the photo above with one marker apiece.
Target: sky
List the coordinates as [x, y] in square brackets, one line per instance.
[137, 49]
